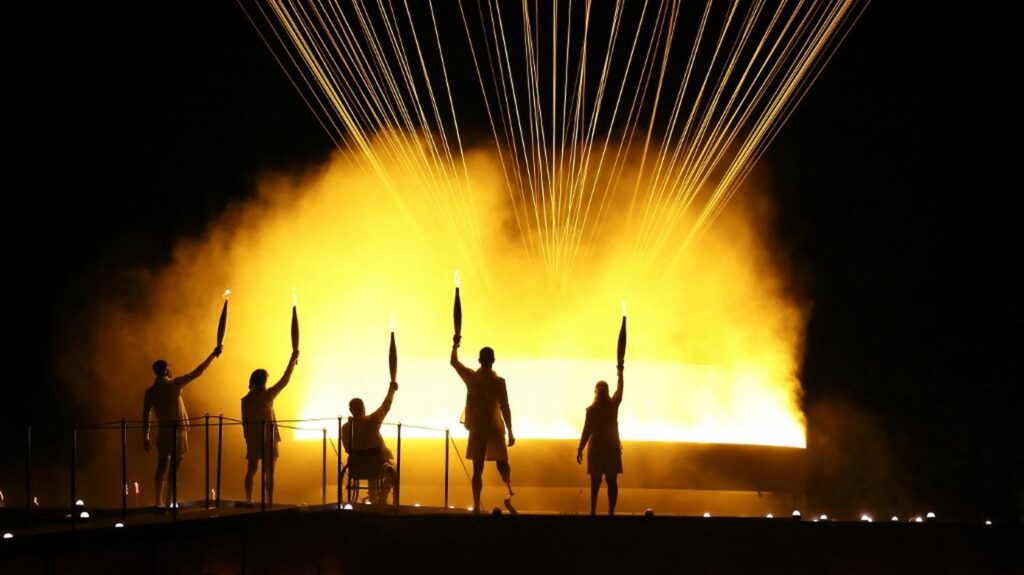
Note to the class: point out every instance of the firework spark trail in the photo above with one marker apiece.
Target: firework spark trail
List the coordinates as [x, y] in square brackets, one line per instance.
[810, 75]
[676, 192]
[798, 79]
[791, 106]
[366, 74]
[498, 147]
[744, 159]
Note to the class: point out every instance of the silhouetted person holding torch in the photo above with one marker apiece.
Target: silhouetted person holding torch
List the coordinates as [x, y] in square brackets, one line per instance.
[164, 400]
[259, 425]
[368, 442]
[487, 416]
[601, 431]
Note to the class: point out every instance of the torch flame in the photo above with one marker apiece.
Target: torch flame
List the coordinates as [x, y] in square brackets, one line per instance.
[295, 297]
[392, 318]
[227, 293]
[623, 308]
[458, 282]
[136, 487]
[1, 496]
[35, 501]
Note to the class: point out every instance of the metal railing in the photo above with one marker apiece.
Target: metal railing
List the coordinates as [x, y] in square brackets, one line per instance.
[220, 423]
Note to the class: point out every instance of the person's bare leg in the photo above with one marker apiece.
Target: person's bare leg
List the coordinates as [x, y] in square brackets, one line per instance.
[172, 479]
[250, 473]
[478, 483]
[613, 491]
[595, 489]
[158, 479]
[270, 480]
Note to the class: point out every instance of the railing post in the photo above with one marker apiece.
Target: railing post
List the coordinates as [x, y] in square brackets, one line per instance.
[339, 462]
[28, 478]
[74, 486]
[398, 468]
[263, 466]
[323, 469]
[447, 440]
[124, 469]
[174, 471]
[220, 442]
[206, 457]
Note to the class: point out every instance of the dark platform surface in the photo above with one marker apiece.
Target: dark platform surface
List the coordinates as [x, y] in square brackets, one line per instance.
[364, 540]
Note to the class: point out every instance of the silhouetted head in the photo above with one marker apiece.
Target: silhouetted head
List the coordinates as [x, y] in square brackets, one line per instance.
[601, 392]
[160, 368]
[356, 407]
[258, 380]
[486, 356]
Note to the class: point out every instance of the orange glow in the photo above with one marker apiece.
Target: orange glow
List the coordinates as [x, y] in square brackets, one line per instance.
[715, 337]
[227, 293]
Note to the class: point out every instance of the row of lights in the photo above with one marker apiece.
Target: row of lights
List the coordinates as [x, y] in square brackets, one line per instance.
[929, 517]
[648, 513]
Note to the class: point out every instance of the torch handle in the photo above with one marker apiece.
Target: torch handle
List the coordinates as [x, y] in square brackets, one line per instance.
[393, 359]
[295, 330]
[621, 355]
[457, 313]
[222, 324]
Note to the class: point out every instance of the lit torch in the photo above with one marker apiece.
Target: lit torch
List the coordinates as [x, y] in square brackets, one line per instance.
[457, 311]
[393, 353]
[223, 323]
[295, 321]
[622, 337]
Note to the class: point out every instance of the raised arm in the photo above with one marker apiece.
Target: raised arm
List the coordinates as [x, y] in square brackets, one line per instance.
[617, 397]
[277, 387]
[189, 377]
[385, 407]
[147, 408]
[462, 370]
[506, 412]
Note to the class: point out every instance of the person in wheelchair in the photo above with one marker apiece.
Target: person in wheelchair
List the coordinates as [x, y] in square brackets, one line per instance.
[369, 456]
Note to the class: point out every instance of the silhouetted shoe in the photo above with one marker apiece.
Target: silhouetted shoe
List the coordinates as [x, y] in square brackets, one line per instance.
[511, 509]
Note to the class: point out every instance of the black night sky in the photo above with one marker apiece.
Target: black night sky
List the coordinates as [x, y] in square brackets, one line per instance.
[130, 127]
